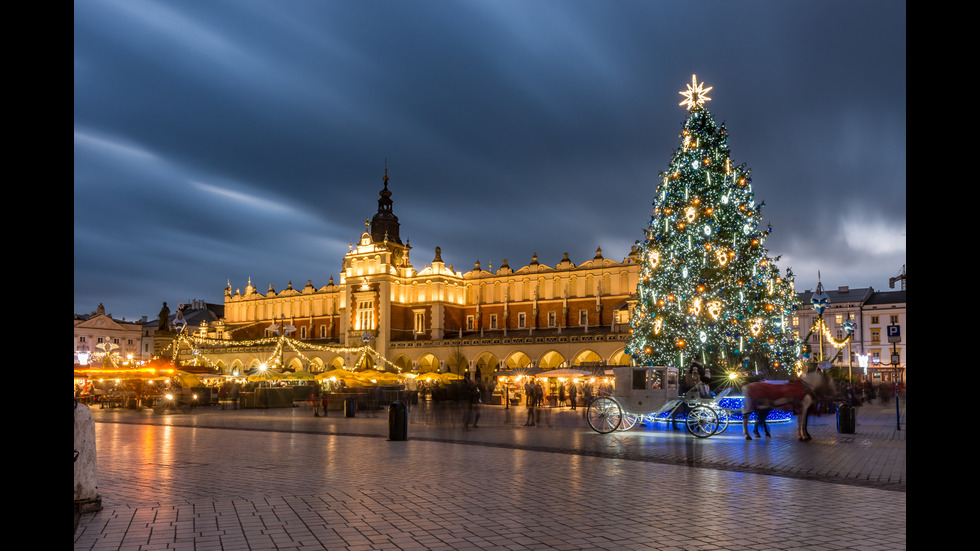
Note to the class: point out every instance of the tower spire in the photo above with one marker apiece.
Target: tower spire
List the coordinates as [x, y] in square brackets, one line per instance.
[385, 223]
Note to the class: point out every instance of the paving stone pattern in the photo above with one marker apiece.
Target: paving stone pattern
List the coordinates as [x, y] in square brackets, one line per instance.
[282, 479]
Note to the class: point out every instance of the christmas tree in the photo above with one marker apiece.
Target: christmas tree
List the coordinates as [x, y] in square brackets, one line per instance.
[708, 290]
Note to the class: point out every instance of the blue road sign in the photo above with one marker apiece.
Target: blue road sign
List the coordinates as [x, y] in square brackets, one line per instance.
[894, 333]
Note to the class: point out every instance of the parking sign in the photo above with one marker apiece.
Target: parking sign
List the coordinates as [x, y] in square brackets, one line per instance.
[894, 333]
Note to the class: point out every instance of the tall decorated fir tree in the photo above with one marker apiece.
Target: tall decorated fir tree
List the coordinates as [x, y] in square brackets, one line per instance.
[708, 290]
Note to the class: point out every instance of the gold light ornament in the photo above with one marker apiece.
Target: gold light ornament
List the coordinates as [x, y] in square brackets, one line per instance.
[653, 257]
[722, 257]
[714, 309]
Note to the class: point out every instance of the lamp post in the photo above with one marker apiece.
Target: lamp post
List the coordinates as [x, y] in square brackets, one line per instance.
[820, 301]
[849, 327]
[895, 337]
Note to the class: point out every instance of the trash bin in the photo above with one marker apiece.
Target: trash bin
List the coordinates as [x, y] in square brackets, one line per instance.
[397, 421]
[350, 405]
[845, 419]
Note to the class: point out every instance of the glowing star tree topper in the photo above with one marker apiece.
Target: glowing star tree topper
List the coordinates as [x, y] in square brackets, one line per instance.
[708, 289]
[696, 94]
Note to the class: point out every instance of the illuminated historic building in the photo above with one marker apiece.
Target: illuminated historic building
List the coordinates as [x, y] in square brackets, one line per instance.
[438, 318]
[98, 333]
[871, 312]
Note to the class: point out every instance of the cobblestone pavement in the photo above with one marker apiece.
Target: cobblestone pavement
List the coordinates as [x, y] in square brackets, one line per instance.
[282, 479]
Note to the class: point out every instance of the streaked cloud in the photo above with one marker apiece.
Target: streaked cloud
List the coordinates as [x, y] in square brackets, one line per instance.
[220, 140]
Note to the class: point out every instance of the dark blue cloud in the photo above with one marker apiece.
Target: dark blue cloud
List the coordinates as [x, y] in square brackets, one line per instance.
[219, 141]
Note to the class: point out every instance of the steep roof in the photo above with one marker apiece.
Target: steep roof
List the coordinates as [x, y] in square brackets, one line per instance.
[887, 297]
[841, 295]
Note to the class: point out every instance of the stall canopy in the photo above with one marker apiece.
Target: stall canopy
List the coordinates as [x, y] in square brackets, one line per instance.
[563, 373]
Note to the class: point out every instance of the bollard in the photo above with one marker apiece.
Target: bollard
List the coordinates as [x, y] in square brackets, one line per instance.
[87, 497]
[350, 405]
[397, 421]
[845, 419]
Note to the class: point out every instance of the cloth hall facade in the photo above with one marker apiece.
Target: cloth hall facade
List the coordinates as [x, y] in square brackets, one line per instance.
[439, 319]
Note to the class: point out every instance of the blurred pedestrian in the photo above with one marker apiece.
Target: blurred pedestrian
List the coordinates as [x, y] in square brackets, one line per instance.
[473, 414]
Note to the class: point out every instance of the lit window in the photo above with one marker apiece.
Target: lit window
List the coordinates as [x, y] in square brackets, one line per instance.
[469, 323]
[522, 320]
[365, 315]
[419, 322]
[493, 321]
[552, 318]
[876, 335]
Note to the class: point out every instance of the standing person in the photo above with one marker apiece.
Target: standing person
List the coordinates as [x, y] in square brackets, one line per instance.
[530, 402]
[572, 393]
[315, 398]
[588, 398]
[538, 402]
[473, 414]
[561, 395]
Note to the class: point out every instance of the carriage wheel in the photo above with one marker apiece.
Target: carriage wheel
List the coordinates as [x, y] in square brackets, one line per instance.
[604, 415]
[629, 420]
[723, 419]
[702, 422]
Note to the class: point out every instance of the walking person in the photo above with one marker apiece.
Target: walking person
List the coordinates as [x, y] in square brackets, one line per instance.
[473, 414]
[572, 394]
[588, 399]
[561, 395]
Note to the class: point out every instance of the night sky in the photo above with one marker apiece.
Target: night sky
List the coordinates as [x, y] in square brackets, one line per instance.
[225, 140]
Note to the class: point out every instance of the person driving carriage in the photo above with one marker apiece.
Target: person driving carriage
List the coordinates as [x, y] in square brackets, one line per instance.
[696, 389]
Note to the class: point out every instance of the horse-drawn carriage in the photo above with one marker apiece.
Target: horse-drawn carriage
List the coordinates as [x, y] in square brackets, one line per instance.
[650, 394]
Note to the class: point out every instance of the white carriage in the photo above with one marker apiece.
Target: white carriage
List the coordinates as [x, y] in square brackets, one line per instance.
[649, 395]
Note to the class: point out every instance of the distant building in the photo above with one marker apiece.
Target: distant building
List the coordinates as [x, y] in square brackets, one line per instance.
[197, 316]
[872, 312]
[98, 332]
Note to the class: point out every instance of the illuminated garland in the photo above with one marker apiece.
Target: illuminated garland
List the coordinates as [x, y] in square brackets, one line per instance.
[820, 325]
[195, 343]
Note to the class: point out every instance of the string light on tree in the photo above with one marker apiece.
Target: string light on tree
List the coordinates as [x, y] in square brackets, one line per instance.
[709, 289]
